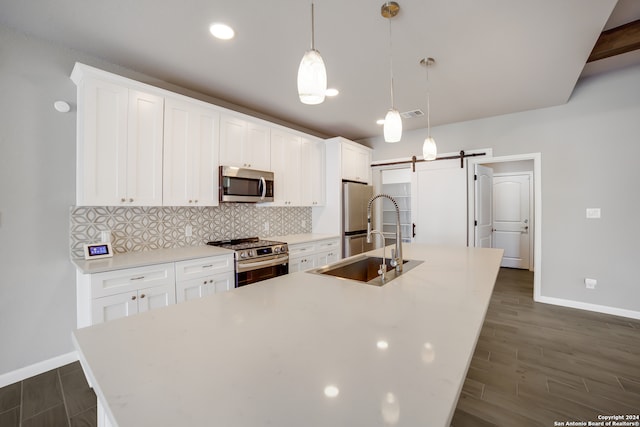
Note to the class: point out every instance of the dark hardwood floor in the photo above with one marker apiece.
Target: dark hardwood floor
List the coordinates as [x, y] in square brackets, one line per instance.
[536, 364]
[58, 398]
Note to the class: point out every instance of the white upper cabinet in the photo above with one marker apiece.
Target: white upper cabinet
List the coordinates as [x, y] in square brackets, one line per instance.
[244, 144]
[312, 160]
[356, 162]
[119, 149]
[190, 154]
[298, 165]
[285, 164]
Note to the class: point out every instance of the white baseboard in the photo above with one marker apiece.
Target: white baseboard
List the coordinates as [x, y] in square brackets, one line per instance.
[37, 368]
[590, 307]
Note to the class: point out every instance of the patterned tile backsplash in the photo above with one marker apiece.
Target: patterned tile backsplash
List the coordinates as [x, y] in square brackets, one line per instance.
[135, 229]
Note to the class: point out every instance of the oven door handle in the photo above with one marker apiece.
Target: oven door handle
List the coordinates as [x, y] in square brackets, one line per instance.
[245, 266]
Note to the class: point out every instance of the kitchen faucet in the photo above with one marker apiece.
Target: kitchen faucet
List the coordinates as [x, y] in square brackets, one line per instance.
[396, 257]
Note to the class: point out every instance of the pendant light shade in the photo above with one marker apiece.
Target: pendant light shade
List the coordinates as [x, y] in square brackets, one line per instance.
[392, 126]
[312, 74]
[312, 78]
[429, 149]
[392, 121]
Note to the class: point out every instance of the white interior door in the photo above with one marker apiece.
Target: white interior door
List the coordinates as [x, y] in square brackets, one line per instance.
[439, 203]
[483, 206]
[511, 223]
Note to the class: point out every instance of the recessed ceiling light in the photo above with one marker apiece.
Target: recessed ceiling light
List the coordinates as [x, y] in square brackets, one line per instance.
[380, 121]
[221, 31]
[332, 92]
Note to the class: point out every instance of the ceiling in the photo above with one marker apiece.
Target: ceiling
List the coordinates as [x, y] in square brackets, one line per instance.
[492, 57]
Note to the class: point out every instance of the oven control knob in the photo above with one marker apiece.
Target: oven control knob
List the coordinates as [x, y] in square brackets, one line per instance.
[243, 254]
[276, 249]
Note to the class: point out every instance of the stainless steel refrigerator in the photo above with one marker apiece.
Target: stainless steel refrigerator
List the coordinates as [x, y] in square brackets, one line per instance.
[355, 197]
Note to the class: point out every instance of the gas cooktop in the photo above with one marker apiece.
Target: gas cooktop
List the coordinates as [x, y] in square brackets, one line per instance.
[246, 243]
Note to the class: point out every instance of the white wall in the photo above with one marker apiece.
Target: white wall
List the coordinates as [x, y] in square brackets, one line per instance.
[37, 190]
[37, 178]
[590, 152]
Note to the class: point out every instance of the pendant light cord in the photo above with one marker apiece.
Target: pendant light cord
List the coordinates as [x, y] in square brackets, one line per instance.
[428, 106]
[391, 63]
[313, 42]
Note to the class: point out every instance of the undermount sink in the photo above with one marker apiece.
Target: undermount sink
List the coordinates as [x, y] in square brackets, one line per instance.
[364, 269]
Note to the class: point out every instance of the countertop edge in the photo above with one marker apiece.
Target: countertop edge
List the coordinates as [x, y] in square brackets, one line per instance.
[146, 258]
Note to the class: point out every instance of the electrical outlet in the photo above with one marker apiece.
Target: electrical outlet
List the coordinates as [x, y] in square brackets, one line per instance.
[188, 231]
[593, 213]
[590, 283]
[105, 236]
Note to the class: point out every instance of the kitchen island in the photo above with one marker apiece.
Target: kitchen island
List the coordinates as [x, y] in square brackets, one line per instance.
[299, 350]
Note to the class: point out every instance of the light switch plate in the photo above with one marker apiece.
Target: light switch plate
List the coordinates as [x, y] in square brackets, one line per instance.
[593, 213]
[590, 283]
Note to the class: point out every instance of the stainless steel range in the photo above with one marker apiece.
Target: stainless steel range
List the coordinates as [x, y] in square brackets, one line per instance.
[257, 259]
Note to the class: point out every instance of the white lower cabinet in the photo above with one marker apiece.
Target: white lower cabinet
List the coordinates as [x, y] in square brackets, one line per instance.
[129, 303]
[121, 293]
[307, 255]
[198, 288]
[205, 276]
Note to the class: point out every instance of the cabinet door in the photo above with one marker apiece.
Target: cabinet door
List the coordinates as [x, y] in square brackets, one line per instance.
[205, 165]
[244, 144]
[156, 297]
[144, 149]
[114, 307]
[285, 164]
[312, 172]
[356, 163]
[198, 288]
[102, 143]
[233, 137]
[190, 165]
[257, 152]
[177, 181]
[328, 257]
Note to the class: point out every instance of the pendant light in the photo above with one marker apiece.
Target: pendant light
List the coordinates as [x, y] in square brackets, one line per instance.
[429, 148]
[312, 74]
[392, 121]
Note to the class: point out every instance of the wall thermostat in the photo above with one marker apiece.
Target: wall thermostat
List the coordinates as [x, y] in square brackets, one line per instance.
[97, 250]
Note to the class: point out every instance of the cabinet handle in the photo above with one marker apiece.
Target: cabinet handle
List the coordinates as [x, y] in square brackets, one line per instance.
[133, 298]
[204, 283]
[123, 200]
[207, 266]
[137, 278]
[130, 200]
[211, 281]
[142, 296]
[190, 201]
[195, 201]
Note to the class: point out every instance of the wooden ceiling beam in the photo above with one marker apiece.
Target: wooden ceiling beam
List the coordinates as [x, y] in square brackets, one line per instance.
[616, 41]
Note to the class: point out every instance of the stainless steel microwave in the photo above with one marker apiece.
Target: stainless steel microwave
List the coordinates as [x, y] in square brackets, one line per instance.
[245, 185]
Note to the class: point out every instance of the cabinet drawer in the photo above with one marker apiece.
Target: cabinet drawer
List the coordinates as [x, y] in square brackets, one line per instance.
[301, 249]
[131, 279]
[328, 245]
[201, 267]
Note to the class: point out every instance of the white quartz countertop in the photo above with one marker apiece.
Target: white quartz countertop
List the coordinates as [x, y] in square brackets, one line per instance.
[293, 239]
[140, 259]
[300, 350]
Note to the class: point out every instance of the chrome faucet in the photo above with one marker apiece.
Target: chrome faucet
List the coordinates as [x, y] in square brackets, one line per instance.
[396, 257]
[383, 266]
